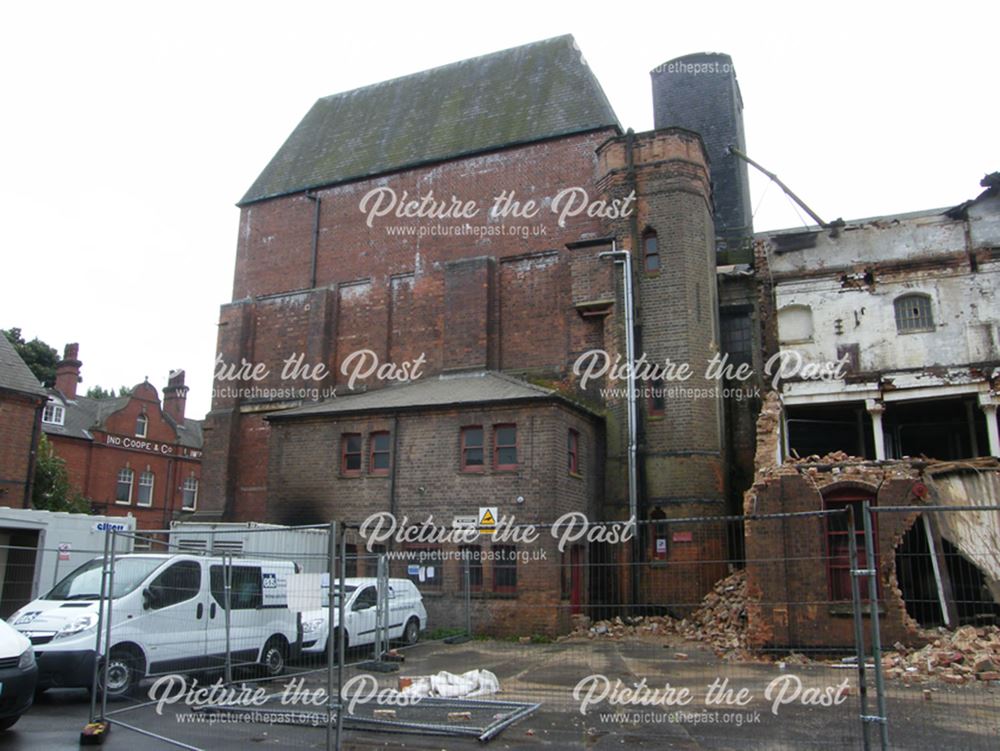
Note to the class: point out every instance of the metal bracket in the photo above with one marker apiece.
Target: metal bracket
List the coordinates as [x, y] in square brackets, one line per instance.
[873, 719]
[863, 572]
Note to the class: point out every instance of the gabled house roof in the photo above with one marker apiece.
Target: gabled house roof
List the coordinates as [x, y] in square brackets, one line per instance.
[517, 96]
[15, 375]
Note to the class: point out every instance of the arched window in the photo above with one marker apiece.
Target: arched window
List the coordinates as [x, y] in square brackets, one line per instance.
[141, 425]
[123, 490]
[650, 251]
[913, 313]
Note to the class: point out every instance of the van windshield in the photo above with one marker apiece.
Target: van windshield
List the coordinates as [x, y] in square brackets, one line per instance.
[85, 582]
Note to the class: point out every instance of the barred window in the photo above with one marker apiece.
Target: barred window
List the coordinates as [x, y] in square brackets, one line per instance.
[913, 313]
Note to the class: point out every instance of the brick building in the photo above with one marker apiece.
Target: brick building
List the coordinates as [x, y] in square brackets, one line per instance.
[130, 454]
[21, 400]
[453, 222]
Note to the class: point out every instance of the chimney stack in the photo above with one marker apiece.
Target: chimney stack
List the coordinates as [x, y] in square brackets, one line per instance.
[68, 371]
[175, 396]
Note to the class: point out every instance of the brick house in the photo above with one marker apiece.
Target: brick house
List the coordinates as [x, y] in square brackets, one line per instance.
[130, 454]
[425, 220]
[21, 401]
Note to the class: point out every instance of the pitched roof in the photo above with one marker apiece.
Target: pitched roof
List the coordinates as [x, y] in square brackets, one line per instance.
[84, 414]
[447, 390]
[520, 95]
[14, 374]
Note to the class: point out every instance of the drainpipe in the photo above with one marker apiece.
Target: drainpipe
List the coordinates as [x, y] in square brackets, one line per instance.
[317, 202]
[393, 459]
[624, 258]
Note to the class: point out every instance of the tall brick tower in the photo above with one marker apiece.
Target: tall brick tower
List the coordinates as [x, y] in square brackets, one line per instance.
[699, 92]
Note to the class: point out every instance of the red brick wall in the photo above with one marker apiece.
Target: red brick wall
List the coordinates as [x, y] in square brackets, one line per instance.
[18, 417]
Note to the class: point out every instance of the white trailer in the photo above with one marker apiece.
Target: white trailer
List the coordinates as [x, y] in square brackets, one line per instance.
[309, 547]
[38, 548]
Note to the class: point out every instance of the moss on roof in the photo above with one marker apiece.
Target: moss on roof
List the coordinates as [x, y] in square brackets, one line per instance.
[516, 96]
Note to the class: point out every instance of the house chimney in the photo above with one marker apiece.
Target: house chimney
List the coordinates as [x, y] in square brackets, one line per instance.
[68, 371]
[175, 396]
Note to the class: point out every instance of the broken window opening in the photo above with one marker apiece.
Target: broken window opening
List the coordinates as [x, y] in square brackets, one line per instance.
[823, 429]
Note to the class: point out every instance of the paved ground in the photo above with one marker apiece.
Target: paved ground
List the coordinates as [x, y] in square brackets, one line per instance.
[953, 718]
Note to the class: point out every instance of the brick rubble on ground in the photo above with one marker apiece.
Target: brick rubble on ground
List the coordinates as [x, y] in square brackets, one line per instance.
[957, 657]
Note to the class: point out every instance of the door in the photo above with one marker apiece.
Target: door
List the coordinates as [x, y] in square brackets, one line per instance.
[361, 619]
[247, 619]
[172, 627]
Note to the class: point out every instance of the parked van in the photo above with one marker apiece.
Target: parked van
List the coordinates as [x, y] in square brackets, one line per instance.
[407, 615]
[168, 615]
[18, 675]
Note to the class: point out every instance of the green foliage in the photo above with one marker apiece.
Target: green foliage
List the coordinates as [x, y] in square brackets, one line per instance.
[52, 491]
[37, 355]
[97, 392]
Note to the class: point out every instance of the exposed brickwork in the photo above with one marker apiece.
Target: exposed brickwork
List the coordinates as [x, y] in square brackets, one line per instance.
[20, 414]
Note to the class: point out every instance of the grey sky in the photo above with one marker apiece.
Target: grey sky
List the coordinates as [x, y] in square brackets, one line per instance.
[130, 130]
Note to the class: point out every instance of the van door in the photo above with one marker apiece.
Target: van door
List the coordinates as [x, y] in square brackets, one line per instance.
[361, 619]
[172, 627]
[247, 626]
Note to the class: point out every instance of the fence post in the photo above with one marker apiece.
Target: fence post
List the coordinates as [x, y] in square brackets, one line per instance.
[105, 571]
[227, 584]
[330, 567]
[340, 632]
[468, 594]
[859, 634]
[107, 631]
[872, 570]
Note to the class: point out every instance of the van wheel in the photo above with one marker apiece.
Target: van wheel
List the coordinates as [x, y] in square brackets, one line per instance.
[8, 722]
[274, 657]
[412, 631]
[125, 669]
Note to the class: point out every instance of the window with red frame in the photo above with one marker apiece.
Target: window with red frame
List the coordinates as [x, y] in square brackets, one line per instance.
[505, 446]
[573, 451]
[350, 453]
[651, 251]
[379, 460]
[505, 569]
[472, 448]
[838, 540]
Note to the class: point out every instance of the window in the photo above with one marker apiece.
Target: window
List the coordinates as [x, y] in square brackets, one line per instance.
[913, 313]
[246, 590]
[651, 251]
[367, 598]
[795, 324]
[505, 447]
[189, 494]
[177, 584]
[350, 453]
[504, 569]
[423, 567]
[379, 460]
[141, 426]
[123, 492]
[472, 449]
[53, 414]
[657, 402]
[737, 339]
[145, 489]
[474, 556]
[838, 538]
[573, 451]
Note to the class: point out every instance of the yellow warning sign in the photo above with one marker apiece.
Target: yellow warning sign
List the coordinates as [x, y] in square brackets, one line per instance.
[487, 519]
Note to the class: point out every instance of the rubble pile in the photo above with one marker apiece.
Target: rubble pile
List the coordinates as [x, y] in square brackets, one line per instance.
[720, 621]
[962, 656]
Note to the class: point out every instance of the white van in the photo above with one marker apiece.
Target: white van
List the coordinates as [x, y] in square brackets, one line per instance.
[407, 615]
[18, 675]
[168, 615]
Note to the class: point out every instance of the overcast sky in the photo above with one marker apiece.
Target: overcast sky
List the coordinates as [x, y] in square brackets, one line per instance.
[129, 131]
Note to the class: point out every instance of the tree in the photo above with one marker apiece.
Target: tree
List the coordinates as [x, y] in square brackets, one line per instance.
[37, 355]
[52, 491]
[97, 392]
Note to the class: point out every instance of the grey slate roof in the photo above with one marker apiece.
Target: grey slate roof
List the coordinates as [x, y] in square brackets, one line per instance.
[14, 374]
[448, 390]
[84, 414]
[517, 96]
